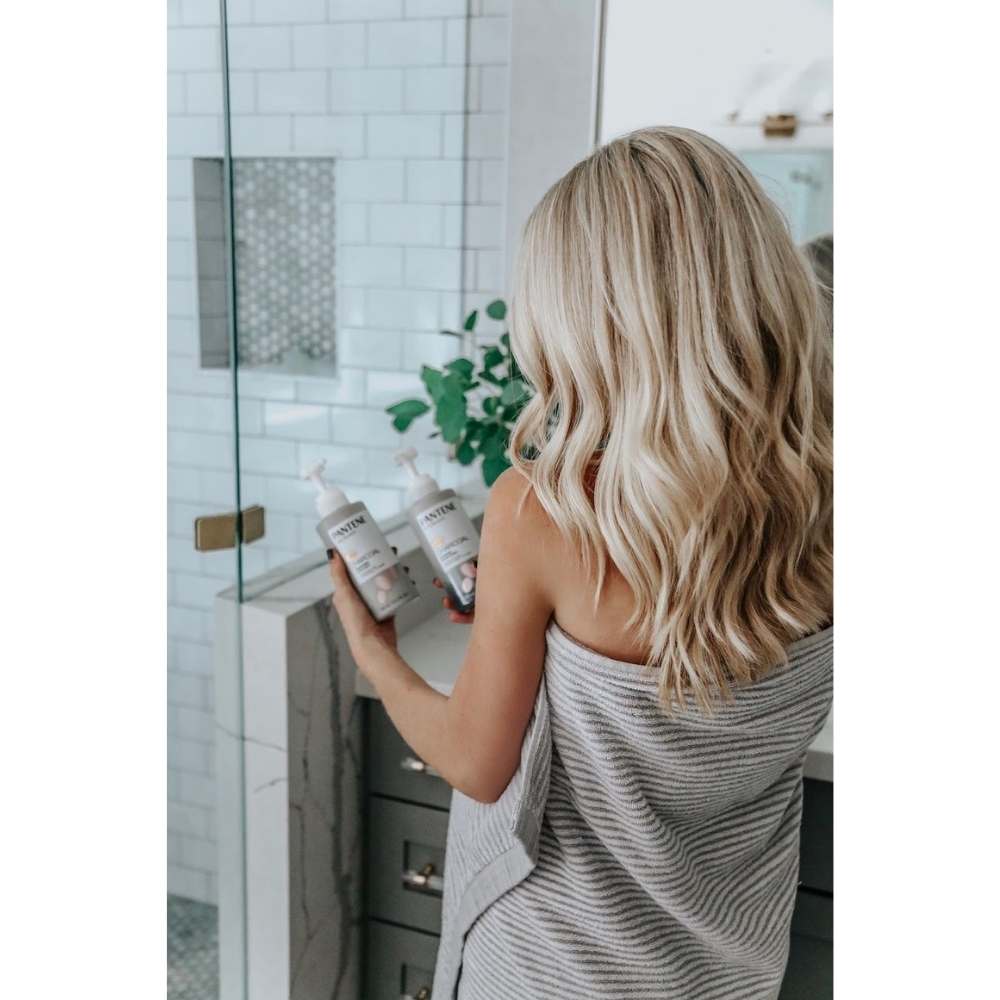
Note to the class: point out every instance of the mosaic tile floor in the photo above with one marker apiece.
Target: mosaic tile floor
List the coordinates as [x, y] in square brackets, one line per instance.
[192, 950]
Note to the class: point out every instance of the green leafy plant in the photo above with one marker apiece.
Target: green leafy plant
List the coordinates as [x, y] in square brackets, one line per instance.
[474, 402]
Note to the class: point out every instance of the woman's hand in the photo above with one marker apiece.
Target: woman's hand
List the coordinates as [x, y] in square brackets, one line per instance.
[459, 617]
[360, 627]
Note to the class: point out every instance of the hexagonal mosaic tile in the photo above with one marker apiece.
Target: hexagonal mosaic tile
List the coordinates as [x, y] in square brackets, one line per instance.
[192, 950]
[284, 219]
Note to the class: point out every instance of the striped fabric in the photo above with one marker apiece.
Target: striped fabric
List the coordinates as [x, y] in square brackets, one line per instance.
[635, 854]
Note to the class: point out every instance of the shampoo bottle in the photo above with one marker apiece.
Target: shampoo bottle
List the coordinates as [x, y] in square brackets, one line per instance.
[446, 534]
[371, 564]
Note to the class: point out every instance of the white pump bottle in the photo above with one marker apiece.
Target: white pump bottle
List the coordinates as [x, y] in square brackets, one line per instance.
[449, 539]
[353, 532]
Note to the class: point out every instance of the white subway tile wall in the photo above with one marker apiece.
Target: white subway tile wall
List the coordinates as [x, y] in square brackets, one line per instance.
[382, 86]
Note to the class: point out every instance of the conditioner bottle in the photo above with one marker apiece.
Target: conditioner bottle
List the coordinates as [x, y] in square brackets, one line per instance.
[371, 564]
[446, 534]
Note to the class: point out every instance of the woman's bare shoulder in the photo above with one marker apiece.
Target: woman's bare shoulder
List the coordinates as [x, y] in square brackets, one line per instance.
[515, 550]
[513, 504]
[516, 519]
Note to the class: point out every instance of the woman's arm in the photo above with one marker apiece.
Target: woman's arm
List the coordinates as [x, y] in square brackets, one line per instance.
[473, 738]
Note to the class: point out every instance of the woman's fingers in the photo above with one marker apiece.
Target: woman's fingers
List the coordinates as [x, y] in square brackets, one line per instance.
[342, 587]
[454, 614]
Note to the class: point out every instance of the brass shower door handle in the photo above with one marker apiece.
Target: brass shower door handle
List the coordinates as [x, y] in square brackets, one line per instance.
[218, 531]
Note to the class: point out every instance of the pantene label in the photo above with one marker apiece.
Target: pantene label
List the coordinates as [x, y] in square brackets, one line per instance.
[363, 546]
[449, 533]
[455, 542]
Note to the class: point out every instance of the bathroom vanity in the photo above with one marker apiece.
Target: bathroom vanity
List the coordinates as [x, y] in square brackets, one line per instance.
[335, 850]
[407, 819]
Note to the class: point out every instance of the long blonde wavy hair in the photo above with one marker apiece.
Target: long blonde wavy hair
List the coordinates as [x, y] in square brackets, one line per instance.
[681, 426]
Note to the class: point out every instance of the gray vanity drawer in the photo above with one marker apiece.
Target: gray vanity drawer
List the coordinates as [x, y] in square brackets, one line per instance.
[395, 770]
[400, 962]
[809, 974]
[816, 844]
[406, 862]
[813, 915]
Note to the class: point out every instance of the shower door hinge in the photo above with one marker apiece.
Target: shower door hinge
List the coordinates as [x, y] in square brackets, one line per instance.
[218, 531]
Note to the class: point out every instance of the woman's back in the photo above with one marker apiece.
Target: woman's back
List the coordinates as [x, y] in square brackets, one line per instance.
[665, 860]
[603, 625]
[599, 619]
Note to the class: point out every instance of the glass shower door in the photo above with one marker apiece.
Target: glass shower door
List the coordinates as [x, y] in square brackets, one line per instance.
[337, 172]
[209, 528]
[367, 143]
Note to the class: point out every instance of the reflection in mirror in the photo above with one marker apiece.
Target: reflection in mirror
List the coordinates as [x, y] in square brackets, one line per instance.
[801, 184]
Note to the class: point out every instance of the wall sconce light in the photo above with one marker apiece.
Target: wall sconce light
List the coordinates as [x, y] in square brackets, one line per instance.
[780, 126]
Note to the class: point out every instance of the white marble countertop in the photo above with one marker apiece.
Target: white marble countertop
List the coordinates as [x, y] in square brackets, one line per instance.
[435, 649]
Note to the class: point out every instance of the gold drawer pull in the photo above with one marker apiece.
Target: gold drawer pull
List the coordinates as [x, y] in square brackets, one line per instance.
[424, 993]
[426, 881]
[416, 766]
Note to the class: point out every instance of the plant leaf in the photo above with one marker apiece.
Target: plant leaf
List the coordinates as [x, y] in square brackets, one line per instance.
[411, 408]
[494, 443]
[463, 366]
[450, 417]
[470, 320]
[401, 423]
[493, 356]
[465, 453]
[497, 309]
[493, 468]
[488, 376]
[513, 392]
[454, 384]
[434, 380]
[505, 340]
[490, 405]
[452, 333]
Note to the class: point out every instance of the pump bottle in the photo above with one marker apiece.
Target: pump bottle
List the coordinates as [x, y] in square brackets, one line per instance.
[446, 534]
[371, 564]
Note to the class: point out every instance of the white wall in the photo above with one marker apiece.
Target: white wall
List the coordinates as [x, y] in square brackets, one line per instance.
[378, 84]
[553, 101]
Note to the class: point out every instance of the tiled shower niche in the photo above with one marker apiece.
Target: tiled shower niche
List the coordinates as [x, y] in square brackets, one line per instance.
[284, 242]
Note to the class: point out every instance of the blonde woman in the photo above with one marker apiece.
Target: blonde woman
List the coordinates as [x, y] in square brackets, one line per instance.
[651, 654]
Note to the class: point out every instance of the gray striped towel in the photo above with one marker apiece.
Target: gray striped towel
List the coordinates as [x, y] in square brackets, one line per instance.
[635, 854]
